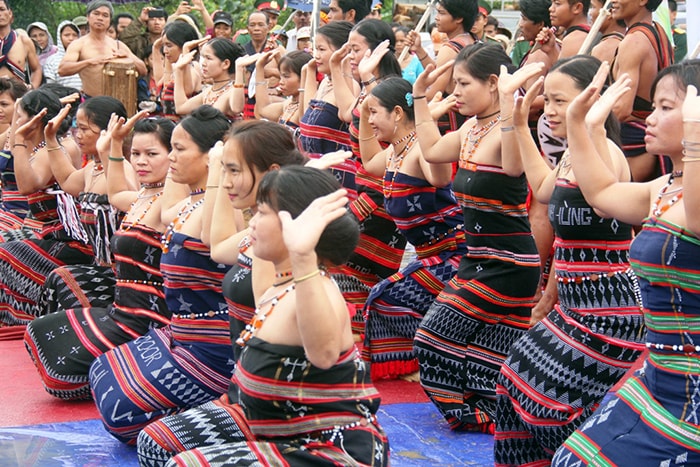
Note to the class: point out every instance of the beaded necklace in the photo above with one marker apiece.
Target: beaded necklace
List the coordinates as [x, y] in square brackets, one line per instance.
[289, 111]
[42, 144]
[153, 185]
[125, 227]
[214, 94]
[411, 137]
[657, 210]
[181, 219]
[258, 318]
[198, 191]
[35, 150]
[474, 137]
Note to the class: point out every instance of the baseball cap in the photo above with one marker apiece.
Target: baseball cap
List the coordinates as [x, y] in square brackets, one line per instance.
[223, 17]
[80, 21]
[304, 33]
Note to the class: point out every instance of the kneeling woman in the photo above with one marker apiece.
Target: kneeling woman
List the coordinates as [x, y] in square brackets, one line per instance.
[65, 343]
[284, 406]
[190, 361]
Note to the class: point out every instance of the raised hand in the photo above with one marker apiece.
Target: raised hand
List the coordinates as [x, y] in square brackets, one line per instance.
[509, 83]
[54, 124]
[70, 98]
[246, 60]
[439, 106]
[429, 76]
[183, 8]
[328, 160]
[414, 43]
[691, 106]
[122, 128]
[301, 235]
[183, 60]
[521, 108]
[338, 56]
[370, 62]
[265, 58]
[194, 44]
[601, 108]
[30, 125]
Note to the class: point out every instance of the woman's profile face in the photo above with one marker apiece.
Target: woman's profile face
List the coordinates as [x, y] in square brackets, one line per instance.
[664, 132]
[358, 46]
[188, 164]
[86, 133]
[240, 183]
[266, 234]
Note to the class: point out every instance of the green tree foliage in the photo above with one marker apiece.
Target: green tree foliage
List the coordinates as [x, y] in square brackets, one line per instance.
[53, 12]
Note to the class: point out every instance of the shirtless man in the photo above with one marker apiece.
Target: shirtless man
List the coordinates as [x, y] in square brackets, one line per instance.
[17, 50]
[637, 56]
[88, 54]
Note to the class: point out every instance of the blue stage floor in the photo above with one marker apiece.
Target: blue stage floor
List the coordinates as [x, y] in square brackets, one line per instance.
[417, 433]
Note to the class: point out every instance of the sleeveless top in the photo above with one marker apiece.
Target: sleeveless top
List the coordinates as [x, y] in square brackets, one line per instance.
[139, 300]
[192, 283]
[282, 394]
[12, 201]
[429, 217]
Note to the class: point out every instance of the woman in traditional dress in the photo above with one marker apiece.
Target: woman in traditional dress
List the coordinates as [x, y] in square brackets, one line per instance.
[218, 60]
[64, 344]
[252, 149]
[284, 407]
[418, 197]
[366, 59]
[94, 221]
[467, 333]
[24, 264]
[653, 418]
[190, 361]
[177, 39]
[288, 111]
[558, 373]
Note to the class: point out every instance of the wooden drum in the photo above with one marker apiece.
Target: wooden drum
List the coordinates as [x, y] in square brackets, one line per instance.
[119, 80]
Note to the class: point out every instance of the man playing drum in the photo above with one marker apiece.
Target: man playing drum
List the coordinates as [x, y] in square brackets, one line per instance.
[88, 55]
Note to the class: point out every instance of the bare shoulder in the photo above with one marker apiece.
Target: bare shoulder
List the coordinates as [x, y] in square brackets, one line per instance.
[26, 41]
[635, 42]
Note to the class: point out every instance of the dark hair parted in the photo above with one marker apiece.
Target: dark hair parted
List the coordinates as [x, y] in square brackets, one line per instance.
[292, 189]
[361, 7]
[336, 32]
[226, 49]
[582, 69]
[205, 125]
[99, 110]
[392, 92]
[481, 60]
[180, 32]
[536, 11]
[467, 10]
[684, 73]
[161, 127]
[375, 32]
[264, 144]
[15, 88]
[294, 61]
[35, 101]
[64, 91]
